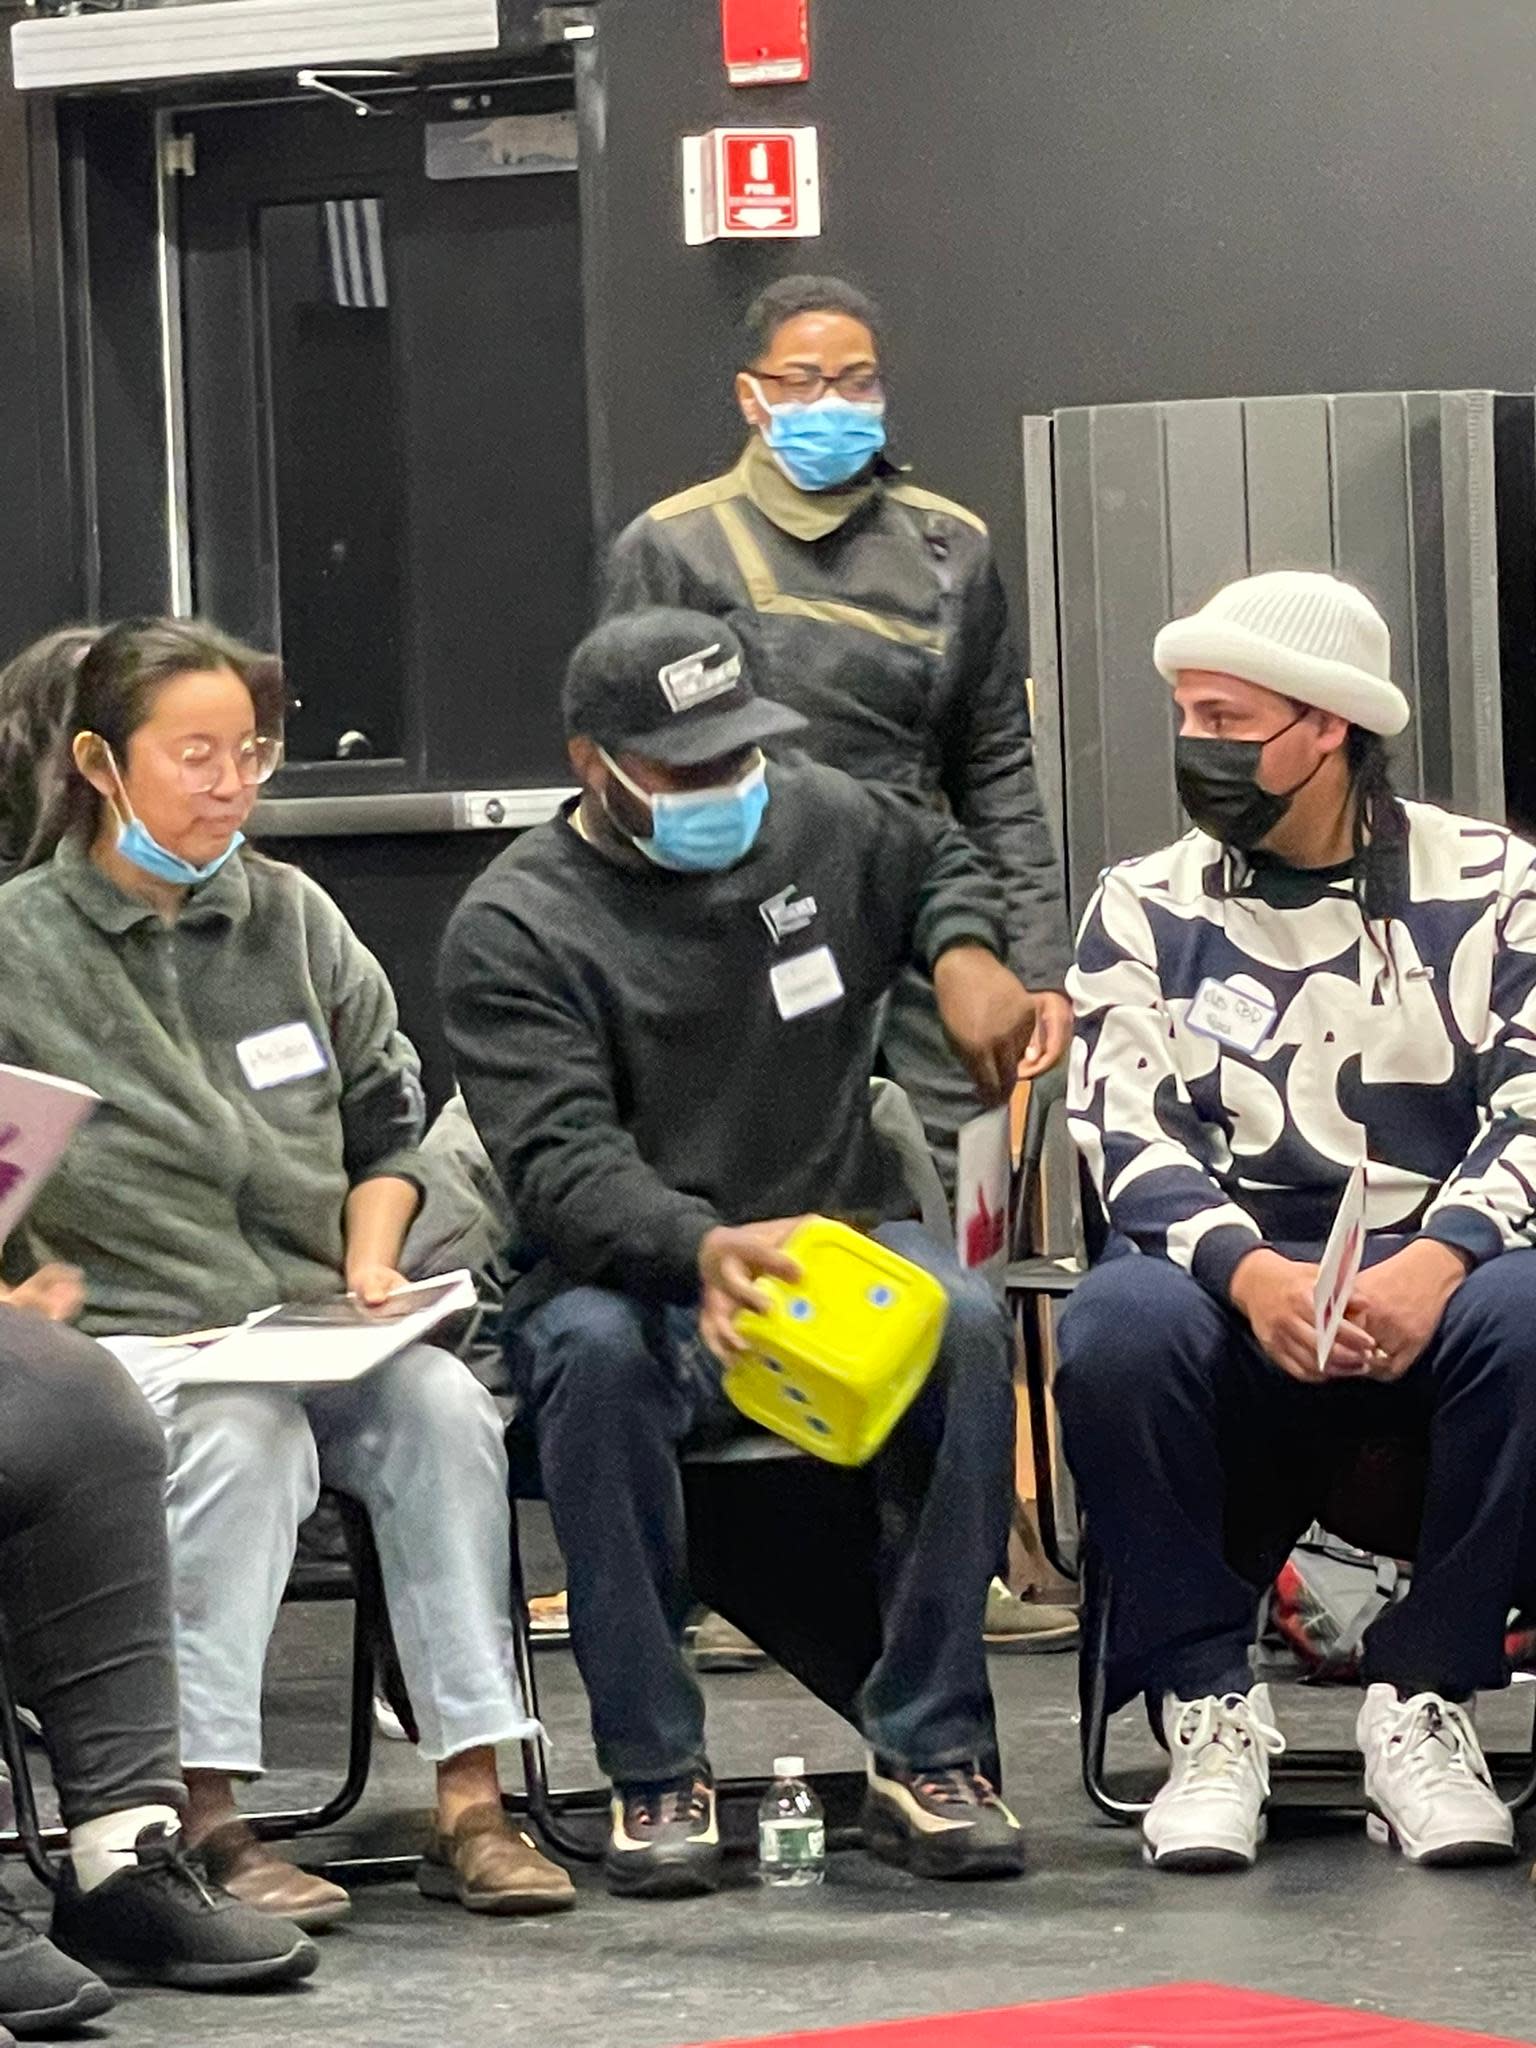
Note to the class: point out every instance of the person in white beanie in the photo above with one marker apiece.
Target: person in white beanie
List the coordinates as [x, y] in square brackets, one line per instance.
[1317, 978]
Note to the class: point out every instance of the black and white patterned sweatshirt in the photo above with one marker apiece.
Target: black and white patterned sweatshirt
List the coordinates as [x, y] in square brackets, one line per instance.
[1409, 1043]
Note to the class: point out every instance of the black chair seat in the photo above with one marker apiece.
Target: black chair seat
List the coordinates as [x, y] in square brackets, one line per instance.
[1054, 1278]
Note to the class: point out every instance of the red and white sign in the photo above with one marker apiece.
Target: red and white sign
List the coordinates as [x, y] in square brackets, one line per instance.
[767, 42]
[760, 188]
[751, 184]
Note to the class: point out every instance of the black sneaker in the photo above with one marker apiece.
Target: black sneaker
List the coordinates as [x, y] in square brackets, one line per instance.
[165, 1923]
[665, 1840]
[42, 1991]
[947, 1822]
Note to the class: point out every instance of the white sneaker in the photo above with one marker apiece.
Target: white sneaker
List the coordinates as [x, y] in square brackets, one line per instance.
[1427, 1782]
[1210, 1814]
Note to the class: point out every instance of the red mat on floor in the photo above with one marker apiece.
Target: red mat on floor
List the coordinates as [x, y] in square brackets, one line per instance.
[1164, 2016]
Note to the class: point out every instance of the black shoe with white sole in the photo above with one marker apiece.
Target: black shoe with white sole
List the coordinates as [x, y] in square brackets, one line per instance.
[165, 1922]
[948, 1822]
[664, 1841]
[41, 1990]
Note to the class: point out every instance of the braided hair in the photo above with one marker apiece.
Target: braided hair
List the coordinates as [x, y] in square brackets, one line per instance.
[1380, 827]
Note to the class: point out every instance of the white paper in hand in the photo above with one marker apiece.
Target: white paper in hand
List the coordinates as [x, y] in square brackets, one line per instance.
[327, 1343]
[983, 1171]
[1340, 1266]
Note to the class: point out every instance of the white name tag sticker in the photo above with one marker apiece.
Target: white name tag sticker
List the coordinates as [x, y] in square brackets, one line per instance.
[1235, 1016]
[808, 982]
[290, 1053]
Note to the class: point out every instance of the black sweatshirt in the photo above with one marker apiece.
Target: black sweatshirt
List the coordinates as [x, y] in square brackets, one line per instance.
[621, 1049]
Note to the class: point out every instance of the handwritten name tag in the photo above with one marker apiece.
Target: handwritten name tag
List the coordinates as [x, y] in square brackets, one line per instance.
[1231, 1015]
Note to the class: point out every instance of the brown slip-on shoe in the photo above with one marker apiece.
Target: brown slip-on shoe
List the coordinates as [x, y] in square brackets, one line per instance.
[252, 1871]
[489, 1866]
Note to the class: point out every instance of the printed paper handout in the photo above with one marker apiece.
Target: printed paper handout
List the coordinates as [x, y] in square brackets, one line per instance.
[326, 1343]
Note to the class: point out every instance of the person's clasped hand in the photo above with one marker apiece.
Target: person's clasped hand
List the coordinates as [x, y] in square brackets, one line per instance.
[732, 1259]
[1277, 1295]
[1398, 1304]
[57, 1292]
[1394, 1309]
[990, 1019]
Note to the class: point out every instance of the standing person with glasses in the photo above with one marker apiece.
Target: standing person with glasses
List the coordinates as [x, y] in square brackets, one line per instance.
[256, 1143]
[875, 610]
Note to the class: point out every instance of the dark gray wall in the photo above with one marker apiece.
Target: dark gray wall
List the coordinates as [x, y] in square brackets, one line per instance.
[1065, 204]
[1060, 204]
[39, 583]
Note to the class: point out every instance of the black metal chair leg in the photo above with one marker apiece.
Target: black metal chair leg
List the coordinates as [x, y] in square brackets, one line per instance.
[29, 1829]
[282, 1826]
[537, 1802]
[1093, 1695]
[1028, 1309]
[1526, 1794]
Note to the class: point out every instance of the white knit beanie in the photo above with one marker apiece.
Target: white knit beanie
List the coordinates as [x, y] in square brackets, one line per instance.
[1308, 636]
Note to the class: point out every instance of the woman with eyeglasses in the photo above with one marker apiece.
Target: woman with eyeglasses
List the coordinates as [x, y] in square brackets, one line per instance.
[256, 1143]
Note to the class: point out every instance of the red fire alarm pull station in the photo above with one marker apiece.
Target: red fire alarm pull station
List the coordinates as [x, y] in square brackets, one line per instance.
[767, 42]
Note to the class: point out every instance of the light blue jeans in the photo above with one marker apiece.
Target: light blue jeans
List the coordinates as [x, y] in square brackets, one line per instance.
[419, 1444]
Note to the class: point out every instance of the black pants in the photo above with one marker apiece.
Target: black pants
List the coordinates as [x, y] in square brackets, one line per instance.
[1198, 1463]
[616, 1389]
[84, 1570]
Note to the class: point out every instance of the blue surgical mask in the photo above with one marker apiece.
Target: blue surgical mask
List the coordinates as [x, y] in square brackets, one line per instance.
[137, 843]
[703, 830]
[827, 443]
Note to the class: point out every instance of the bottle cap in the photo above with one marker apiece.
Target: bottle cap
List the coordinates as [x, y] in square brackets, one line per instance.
[789, 1767]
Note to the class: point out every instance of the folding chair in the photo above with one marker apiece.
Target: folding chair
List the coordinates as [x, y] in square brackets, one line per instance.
[1374, 1504]
[809, 1597]
[29, 1839]
[356, 1578]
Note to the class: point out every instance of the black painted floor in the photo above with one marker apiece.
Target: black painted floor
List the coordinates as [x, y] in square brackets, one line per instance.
[1326, 1915]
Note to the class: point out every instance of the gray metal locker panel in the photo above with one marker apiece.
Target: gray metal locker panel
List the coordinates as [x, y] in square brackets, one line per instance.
[1077, 613]
[1372, 528]
[1044, 645]
[1472, 605]
[1290, 491]
[1429, 683]
[1207, 499]
[1395, 490]
[1130, 501]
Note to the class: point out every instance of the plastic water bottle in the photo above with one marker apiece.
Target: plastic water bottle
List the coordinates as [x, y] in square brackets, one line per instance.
[791, 1829]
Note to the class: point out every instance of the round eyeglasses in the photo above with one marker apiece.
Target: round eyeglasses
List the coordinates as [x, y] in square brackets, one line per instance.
[200, 764]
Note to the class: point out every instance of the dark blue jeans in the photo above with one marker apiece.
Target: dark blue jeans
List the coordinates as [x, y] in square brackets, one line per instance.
[617, 1389]
[1198, 1463]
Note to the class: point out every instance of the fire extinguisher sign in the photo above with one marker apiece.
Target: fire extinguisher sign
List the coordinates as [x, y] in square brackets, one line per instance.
[744, 184]
[761, 188]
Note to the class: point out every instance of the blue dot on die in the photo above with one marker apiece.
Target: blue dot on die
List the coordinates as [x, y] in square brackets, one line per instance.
[801, 1309]
[881, 1297]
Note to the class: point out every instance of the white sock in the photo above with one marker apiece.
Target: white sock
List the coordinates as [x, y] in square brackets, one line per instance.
[102, 1848]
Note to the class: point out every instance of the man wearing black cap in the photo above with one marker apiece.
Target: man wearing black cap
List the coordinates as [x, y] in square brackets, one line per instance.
[662, 1007]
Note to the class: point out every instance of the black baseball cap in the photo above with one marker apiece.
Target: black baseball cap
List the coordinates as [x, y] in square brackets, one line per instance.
[671, 686]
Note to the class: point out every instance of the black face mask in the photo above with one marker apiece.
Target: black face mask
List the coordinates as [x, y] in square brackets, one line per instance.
[1219, 787]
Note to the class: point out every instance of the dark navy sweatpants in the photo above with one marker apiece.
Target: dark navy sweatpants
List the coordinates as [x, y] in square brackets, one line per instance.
[1198, 1463]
